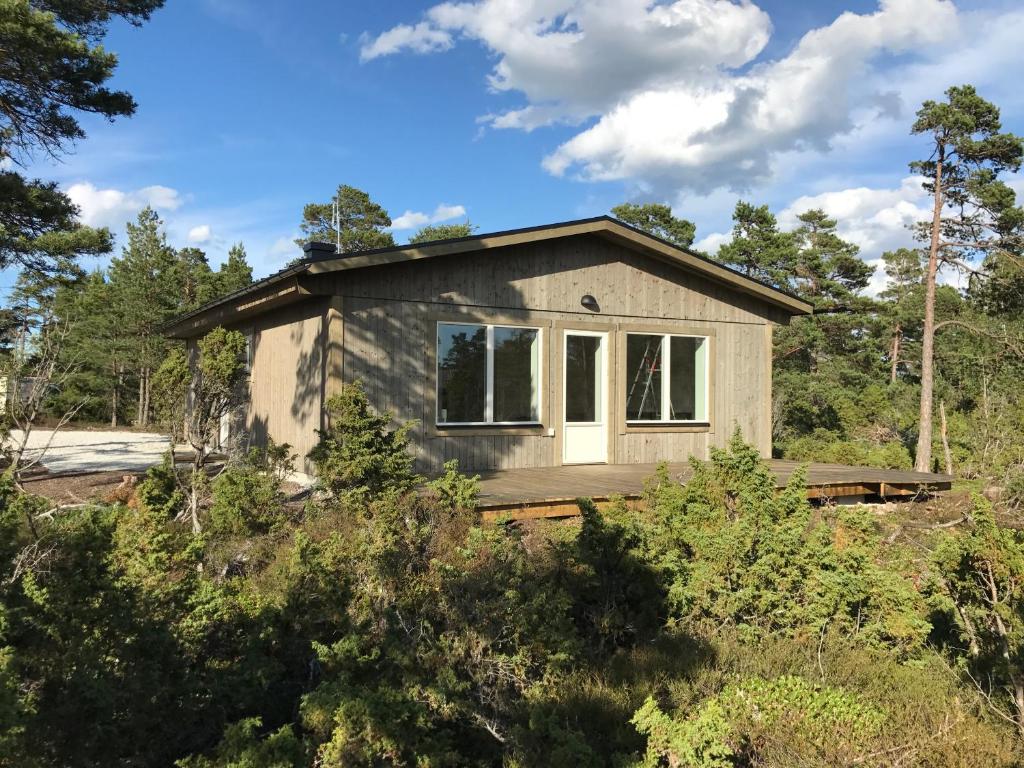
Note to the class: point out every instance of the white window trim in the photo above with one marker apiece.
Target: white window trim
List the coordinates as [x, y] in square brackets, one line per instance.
[488, 377]
[666, 363]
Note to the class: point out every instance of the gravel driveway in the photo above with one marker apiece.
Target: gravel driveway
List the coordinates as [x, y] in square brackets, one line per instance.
[74, 450]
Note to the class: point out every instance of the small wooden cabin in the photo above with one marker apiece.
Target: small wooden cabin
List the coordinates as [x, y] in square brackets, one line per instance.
[577, 343]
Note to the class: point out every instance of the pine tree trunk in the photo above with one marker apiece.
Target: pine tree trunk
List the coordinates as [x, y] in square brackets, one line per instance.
[142, 389]
[115, 396]
[923, 462]
[945, 439]
[145, 403]
[894, 354]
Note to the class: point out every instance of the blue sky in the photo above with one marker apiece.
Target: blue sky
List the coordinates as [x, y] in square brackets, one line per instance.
[541, 112]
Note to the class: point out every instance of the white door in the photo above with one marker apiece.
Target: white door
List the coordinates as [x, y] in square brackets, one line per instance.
[225, 431]
[585, 398]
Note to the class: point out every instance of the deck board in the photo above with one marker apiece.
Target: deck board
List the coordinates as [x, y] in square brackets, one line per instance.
[519, 490]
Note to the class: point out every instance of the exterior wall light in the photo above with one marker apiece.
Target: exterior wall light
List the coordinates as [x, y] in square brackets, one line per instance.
[590, 303]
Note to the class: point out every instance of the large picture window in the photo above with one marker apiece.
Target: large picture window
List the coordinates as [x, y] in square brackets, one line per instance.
[487, 374]
[666, 378]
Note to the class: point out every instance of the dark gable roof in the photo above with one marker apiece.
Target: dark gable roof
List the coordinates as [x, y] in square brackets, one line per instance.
[285, 286]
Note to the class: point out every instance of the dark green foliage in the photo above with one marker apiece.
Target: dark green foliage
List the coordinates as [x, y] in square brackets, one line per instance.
[454, 489]
[442, 232]
[360, 454]
[620, 598]
[234, 274]
[51, 69]
[363, 223]
[158, 492]
[758, 248]
[764, 722]
[657, 219]
[39, 228]
[246, 497]
[114, 320]
[242, 747]
[735, 551]
[394, 629]
[979, 574]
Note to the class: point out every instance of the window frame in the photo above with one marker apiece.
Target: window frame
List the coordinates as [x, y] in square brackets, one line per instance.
[488, 376]
[666, 380]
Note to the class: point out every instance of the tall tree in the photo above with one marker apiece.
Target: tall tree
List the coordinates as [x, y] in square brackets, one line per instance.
[145, 288]
[903, 304]
[826, 268]
[97, 341]
[197, 281]
[658, 219]
[758, 248]
[442, 232]
[362, 222]
[235, 273]
[52, 68]
[821, 362]
[971, 208]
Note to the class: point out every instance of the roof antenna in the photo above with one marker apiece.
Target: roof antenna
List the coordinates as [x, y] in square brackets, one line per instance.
[336, 224]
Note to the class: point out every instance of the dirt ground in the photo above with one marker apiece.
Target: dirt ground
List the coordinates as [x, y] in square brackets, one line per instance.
[77, 487]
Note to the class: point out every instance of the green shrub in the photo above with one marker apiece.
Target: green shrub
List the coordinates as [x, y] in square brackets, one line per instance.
[247, 498]
[454, 489]
[827, 447]
[159, 491]
[764, 722]
[359, 455]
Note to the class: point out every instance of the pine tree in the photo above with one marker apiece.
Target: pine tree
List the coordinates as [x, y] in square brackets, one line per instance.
[98, 344]
[198, 282]
[52, 68]
[657, 219]
[971, 211]
[442, 232]
[145, 292]
[758, 249]
[235, 273]
[363, 226]
[903, 301]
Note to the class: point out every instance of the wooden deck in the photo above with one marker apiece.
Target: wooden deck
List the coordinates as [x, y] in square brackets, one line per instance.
[552, 491]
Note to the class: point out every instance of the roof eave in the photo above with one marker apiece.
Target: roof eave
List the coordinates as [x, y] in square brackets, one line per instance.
[216, 312]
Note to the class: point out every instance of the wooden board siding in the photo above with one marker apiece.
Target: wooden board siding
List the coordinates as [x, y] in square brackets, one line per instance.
[286, 381]
[553, 276]
[389, 325]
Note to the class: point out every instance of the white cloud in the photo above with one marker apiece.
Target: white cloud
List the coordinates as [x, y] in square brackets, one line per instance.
[877, 220]
[728, 130]
[199, 234]
[711, 243]
[577, 58]
[413, 219]
[678, 94]
[113, 207]
[422, 38]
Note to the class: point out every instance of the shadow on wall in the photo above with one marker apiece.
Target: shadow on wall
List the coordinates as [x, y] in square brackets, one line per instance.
[390, 337]
[390, 347]
[307, 402]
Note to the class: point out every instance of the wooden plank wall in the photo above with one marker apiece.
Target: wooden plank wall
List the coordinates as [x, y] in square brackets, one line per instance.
[389, 315]
[286, 382]
[552, 276]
